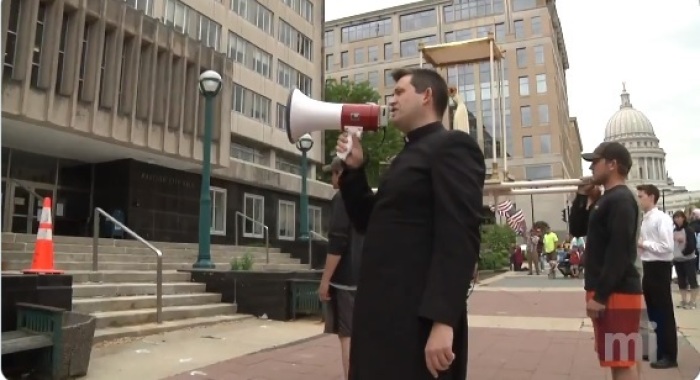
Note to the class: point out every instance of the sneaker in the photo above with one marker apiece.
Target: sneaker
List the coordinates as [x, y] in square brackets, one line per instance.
[682, 305]
[691, 306]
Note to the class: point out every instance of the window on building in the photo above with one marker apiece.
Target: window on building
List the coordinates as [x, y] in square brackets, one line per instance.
[288, 77]
[254, 13]
[373, 79]
[536, 26]
[388, 51]
[38, 45]
[11, 39]
[541, 83]
[366, 30]
[344, 79]
[458, 35]
[83, 57]
[315, 220]
[250, 56]
[543, 114]
[521, 5]
[254, 211]
[525, 116]
[546, 143]
[359, 56]
[521, 57]
[418, 20]
[188, 21]
[519, 27]
[304, 8]
[251, 104]
[472, 9]
[524, 86]
[359, 78]
[539, 55]
[143, 5]
[538, 172]
[409, 48]
[328, 38]
[286, 220]
[329, 62]
[500, 32]
[372, 54]
[61, 51]
[344, 59]
[281, 117]
[528, 151]
[248, 154]
[294, 40]
[218, 210]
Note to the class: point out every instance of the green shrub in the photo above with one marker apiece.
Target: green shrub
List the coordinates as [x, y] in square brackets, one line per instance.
[244, 262]
[496, 243]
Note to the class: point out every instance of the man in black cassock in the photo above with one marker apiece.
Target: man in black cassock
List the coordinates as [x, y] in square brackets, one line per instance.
[421, 240]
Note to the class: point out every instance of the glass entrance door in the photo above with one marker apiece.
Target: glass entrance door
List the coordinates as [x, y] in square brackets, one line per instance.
[25, 207]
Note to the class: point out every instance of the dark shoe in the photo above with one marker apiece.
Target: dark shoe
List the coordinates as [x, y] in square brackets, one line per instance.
[663, 364]
[645, 358]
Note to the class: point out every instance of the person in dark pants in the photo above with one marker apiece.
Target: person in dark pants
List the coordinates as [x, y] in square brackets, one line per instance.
[694, 225]
[422, 240]
[656, 246]
[611, 279]
[684, 261]
[339, 279]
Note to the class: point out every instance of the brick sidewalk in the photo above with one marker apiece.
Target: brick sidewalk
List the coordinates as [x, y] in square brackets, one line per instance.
[498, 354]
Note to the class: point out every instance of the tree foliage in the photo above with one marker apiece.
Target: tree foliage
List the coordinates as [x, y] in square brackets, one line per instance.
[379, 146]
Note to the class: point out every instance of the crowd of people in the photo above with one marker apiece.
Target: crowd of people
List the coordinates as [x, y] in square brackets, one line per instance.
[544, 253]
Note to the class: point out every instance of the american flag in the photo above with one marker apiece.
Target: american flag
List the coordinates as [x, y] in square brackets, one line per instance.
[504, 208]
[517, 222]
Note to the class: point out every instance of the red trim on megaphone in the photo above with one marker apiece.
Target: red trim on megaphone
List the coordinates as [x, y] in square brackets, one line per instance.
[360, 115]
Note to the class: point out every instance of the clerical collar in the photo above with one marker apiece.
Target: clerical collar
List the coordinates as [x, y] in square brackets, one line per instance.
[423, 131]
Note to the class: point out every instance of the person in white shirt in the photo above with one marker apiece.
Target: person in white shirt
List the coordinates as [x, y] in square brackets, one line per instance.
[656, 251]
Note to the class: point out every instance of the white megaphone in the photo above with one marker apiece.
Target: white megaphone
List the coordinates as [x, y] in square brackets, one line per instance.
[305, 115]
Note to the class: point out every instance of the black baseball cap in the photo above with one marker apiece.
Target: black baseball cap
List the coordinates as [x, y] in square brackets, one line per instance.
[609, 151]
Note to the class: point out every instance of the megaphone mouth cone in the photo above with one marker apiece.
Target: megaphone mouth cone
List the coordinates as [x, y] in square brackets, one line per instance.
[287, 116]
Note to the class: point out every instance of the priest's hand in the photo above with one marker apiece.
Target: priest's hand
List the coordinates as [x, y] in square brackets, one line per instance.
[356, 157]
[438, 350]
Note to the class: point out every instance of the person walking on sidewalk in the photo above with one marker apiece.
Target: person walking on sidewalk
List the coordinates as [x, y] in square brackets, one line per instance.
[684, 257]
[656, 251]
[533, 255]
[611, 280]
[339, 279]
[695, 226]
[422, 240]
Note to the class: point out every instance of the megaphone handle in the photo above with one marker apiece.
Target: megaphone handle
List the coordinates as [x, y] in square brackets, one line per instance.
[348, 146]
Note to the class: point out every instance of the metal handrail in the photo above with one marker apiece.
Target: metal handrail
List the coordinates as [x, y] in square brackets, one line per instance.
[25, 187]
[313, 235]
[159, 255]
[266, 231]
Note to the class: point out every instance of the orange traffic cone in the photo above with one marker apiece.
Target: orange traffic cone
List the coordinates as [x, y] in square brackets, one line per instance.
[42, 263]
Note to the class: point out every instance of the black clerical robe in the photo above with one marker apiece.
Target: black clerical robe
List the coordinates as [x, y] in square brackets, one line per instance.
[421, 246]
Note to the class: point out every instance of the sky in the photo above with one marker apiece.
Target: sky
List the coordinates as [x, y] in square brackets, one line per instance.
[655, 49]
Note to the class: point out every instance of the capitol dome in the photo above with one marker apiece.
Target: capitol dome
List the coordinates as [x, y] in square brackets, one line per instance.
[628, 122]
[633, 129]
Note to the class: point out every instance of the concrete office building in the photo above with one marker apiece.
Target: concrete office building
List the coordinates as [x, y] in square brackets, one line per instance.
[542, 140]
[100, 107]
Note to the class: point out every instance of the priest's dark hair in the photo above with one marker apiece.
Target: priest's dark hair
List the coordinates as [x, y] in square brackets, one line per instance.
[422, 79]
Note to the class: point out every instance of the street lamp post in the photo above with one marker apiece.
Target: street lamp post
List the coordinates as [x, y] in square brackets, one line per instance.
[304, 145]
[209, 87]
[663, 200]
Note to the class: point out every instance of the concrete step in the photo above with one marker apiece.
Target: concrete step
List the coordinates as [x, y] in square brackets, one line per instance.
[109, 249]
[281, 267]
[149, 257]
[106, 334]
[18, 265]
[134, 289]
[124, 303]
[8, 237]
[141, 316]
[126, 276]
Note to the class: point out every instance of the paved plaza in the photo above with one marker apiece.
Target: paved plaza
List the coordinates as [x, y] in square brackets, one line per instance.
[522, 327]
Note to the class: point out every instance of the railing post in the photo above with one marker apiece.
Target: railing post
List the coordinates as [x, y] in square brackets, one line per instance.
[235, 226]
[159, 288]
[95, 237]
[267, 244]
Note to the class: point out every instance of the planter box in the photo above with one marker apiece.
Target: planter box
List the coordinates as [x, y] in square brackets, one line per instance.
[254, 292]
[54, 290]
